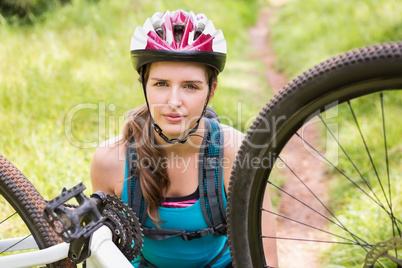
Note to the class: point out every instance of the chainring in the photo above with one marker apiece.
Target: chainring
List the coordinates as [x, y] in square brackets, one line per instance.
[125, 226]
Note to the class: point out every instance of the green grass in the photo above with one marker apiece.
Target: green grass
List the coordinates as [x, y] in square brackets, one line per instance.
[306, 32]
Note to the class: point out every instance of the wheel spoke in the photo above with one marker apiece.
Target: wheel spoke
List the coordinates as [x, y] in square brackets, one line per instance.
[389, 197]
[340, 171]
[9, 217]
[378, 202]
[369, 156]
[337, 222]
[315, 240]
[318, 229]
[16, 243]
[395, 227]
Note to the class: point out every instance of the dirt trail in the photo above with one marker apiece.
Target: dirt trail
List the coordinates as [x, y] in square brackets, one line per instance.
[292, 253]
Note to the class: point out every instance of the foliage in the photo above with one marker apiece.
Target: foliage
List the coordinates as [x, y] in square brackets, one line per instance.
[27, 11]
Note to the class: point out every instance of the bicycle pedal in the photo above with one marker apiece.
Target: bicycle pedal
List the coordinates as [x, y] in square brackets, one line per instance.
[73, 223]
[66, 195]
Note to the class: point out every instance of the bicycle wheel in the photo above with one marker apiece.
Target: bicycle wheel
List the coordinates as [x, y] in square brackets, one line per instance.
[28, 204]
[327, 149]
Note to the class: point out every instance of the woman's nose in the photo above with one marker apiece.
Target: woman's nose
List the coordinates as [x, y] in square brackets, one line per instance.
[174, 99]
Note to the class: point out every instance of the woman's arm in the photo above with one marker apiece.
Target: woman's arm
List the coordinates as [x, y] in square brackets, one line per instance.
[107, 167]
[232, 142]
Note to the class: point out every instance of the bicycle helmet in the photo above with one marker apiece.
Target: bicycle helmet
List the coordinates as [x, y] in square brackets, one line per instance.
[177, 36]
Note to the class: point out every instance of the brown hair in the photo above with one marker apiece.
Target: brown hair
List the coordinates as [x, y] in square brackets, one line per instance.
[154, 180]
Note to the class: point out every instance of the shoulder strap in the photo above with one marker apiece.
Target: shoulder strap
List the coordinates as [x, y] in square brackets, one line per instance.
[210, 177]
[135, 199]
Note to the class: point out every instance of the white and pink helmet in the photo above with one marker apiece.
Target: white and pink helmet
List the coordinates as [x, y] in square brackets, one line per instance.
[178, 36]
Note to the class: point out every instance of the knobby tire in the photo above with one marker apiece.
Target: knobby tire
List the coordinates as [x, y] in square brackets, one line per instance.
[29, 204]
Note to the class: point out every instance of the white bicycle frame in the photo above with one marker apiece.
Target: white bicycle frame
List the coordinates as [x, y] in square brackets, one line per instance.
[104, 252]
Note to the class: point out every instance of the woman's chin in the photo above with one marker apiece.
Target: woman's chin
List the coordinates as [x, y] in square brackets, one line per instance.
[175, 131]
[172, 129]
[172, 134]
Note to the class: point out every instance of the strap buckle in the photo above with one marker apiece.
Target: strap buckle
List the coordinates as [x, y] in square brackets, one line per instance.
[197, 234]
[220, 229]
[190, 236]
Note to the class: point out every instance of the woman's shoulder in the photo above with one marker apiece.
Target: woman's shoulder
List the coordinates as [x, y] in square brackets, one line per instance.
[233, 138]
[232, 142]
[111, 150]
[107, 166]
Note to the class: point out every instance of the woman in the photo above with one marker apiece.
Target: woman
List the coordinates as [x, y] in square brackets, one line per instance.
[176, 181]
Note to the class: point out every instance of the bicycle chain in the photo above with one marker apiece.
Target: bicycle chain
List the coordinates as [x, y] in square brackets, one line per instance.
[125, 226]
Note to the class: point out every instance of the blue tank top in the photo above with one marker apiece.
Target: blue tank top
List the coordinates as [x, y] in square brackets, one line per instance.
[174, 251]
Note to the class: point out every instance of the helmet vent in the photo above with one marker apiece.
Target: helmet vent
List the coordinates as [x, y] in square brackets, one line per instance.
[178, 29]
[159, 32]
[197, 34]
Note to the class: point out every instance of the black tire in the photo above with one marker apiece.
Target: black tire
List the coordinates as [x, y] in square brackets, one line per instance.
[29, 204]
[342, 78]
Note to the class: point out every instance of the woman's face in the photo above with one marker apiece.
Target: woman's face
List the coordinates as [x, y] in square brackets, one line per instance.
[177, 93]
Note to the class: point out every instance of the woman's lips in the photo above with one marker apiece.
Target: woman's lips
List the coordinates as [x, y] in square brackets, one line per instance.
[174, 117]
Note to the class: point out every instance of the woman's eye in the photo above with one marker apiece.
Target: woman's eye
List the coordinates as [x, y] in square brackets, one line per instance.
[160, 84]
[193, 87]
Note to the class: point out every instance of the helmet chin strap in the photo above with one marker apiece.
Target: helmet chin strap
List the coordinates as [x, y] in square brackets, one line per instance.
[157, 128]
[173, 141]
